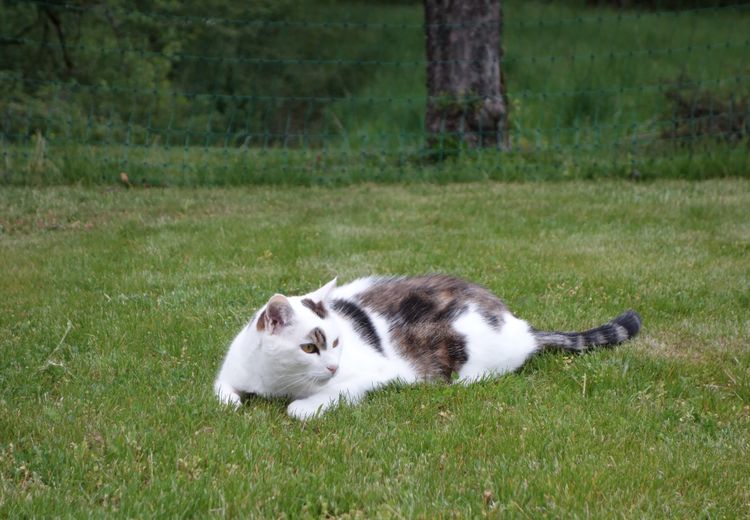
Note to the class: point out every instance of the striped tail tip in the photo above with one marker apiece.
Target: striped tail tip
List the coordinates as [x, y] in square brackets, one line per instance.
[631, 321]
[624, 327]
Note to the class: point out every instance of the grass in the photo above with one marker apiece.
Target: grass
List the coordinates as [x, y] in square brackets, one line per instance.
[118, 306]
[42, 164]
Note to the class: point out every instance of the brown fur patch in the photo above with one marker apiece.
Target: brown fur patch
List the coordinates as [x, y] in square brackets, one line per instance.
[421, 312]
[318, 337]
[317, 307]
[260, 326]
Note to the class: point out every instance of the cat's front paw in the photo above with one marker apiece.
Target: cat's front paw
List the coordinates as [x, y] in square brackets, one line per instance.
[304, 409]
[227, 396]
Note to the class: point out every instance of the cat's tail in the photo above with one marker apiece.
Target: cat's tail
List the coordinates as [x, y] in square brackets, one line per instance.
[622, 328]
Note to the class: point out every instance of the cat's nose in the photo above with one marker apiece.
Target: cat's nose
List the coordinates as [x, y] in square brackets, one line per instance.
[332, 368]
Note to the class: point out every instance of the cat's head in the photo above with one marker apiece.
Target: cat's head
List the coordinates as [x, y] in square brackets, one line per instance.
[299, 342]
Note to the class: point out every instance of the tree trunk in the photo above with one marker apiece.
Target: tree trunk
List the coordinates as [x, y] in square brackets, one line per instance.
[467, 103]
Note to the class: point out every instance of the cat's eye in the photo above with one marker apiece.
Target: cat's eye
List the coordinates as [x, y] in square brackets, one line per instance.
[309, 348]
[335, 343]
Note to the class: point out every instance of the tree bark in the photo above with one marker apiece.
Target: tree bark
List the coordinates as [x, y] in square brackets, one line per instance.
[467, 104]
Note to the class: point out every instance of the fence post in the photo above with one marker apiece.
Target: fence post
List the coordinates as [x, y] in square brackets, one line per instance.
[467, 98]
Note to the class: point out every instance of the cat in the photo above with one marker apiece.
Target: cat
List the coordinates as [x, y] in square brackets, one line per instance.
[338, 343]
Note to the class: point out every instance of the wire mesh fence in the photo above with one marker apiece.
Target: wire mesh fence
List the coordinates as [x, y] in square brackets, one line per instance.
[335, 91]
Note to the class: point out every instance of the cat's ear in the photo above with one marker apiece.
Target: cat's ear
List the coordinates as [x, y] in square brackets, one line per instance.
[321, 294]
[277, 315]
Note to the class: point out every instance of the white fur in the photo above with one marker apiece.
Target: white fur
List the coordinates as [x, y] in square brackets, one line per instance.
[273, 364]
[492, 352]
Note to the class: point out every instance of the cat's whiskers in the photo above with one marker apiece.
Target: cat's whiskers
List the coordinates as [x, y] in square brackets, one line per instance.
[299, 381]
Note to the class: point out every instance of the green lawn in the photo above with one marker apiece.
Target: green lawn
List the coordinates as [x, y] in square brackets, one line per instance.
[116, 307]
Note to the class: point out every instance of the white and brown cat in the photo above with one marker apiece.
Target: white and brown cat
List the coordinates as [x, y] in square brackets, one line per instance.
[338, 343]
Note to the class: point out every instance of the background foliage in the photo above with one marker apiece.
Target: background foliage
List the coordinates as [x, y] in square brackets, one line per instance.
[311, 91]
